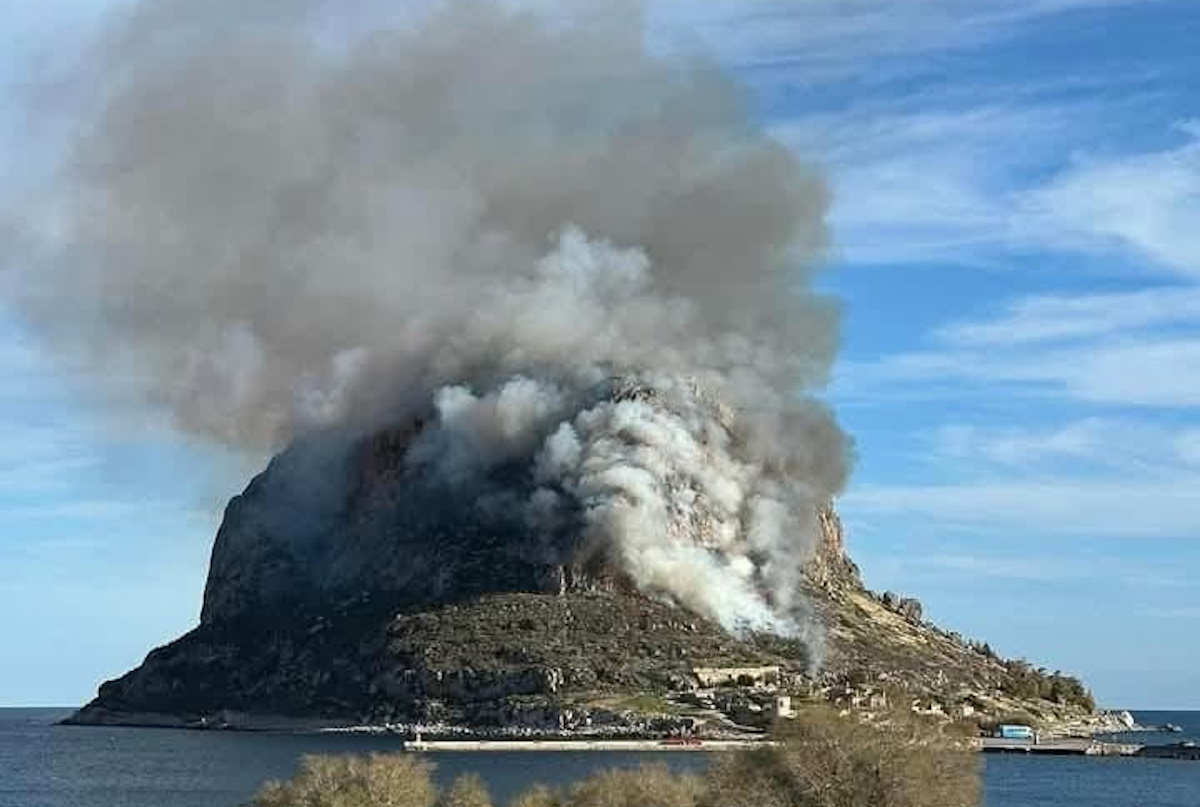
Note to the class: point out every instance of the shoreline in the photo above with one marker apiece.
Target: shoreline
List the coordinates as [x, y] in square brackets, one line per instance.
[1105, 724]
[580, 745]
[421, 737]
[448, 739]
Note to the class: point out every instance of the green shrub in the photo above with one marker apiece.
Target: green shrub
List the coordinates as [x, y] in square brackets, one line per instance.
[392, 780]
[1029, 683]
[647, 786]
[537, 796]
[467, 790]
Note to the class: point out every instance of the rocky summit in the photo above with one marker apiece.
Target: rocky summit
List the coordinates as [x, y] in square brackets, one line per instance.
[344, 591]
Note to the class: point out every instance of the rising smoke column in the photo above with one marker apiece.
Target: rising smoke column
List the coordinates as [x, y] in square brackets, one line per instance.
[562, 252]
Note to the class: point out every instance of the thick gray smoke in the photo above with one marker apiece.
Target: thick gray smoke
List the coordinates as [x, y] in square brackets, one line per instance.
[276, 219]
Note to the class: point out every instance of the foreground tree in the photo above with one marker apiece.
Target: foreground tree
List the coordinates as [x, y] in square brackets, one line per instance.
[640, 787]
[824, 759]
[467, 790]
[380, 780]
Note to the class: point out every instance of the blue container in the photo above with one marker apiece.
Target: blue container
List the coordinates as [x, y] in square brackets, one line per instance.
[1015, 733]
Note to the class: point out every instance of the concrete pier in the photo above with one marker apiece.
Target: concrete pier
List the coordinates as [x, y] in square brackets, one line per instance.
[1064, 747]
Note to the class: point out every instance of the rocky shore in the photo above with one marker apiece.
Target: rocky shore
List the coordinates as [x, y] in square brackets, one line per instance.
[1102, 723]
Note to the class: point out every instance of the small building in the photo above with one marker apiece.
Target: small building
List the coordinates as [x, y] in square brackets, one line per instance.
[783, 706]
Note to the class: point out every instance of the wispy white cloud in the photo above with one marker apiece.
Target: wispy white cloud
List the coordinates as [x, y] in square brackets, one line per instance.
[1162, 372]
[1139, 347]
[1057, 317]
[1147, 204]
[811, 41]
[1053, 567]
[1148, 372]
[1126, 473]
[915, 182]
[1089, 448]
[42, 460]
[972, 168]
[1083, 439]
[920, 179]
[1065, 507]
[1004, 567]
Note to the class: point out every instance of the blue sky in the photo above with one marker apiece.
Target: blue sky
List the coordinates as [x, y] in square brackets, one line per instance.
[1016, 236]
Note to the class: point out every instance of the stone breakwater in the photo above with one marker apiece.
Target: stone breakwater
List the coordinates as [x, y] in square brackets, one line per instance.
[582, 745]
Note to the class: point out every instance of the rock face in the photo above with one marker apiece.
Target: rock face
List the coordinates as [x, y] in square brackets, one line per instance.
[334, 522]
[344, 590]
[907, 607]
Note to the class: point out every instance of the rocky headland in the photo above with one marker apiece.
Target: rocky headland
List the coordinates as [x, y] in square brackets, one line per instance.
[345, 592]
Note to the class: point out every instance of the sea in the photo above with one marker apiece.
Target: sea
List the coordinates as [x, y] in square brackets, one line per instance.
[46, 765]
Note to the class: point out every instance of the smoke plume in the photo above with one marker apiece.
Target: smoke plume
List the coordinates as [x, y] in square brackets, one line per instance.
[573, 259]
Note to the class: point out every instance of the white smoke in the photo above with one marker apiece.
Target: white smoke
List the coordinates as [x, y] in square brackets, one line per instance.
[581, 264]
[653, 467]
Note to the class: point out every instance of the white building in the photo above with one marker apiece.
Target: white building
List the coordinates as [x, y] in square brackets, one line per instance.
[783, 706]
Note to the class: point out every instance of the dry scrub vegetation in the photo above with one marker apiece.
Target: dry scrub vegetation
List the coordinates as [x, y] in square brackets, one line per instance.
[822, 760]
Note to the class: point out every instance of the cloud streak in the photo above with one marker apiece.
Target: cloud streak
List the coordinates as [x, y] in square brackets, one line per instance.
[1061, 507]
[1156, 372]
[815, 41]
[1015, 447]
[1146, 204]
[1060, 317]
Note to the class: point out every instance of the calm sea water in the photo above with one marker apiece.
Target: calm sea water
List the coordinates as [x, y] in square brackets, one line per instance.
[42, 765]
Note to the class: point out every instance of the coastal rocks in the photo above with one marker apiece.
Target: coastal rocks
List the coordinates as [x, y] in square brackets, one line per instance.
[907, 607]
